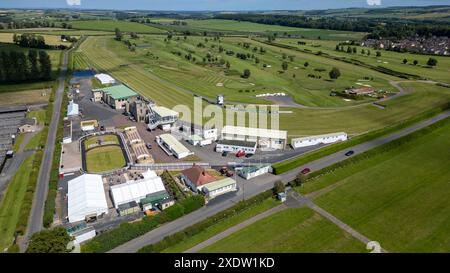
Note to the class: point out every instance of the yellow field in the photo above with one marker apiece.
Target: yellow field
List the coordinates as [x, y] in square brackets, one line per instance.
[6, 37]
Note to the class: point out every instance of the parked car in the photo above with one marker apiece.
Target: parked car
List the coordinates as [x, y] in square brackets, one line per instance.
[248, 155]
[306, 171]
[149, 146]
[240, 154]
[349, 153]
[102, 128]
[224, 154]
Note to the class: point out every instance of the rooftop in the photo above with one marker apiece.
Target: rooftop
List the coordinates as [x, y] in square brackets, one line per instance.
[119, 91]
[254, 132]
[198, 175]
[174, 144]
[319, 136]
[164, 112]
[220, 184]
[252, 169]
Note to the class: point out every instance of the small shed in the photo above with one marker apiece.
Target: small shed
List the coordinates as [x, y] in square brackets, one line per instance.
[128, 208]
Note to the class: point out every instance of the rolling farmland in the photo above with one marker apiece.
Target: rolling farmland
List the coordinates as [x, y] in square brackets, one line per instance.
[110, 25]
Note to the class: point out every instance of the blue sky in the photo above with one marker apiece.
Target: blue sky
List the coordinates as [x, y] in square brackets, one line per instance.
[213, 4]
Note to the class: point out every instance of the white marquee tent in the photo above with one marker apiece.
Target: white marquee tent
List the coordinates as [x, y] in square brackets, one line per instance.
[86, 196]
[137, 190]
[72, 109]
[105, 78]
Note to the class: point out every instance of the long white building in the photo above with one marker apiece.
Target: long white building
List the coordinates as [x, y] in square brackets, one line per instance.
[318, 139]
[137, 190]
[264, 138]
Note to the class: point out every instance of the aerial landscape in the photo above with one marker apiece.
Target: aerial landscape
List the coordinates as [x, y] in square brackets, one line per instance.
[225, 127]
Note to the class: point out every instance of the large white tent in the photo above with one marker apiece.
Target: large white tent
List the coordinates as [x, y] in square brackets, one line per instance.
[86, 196]
[137, 190]
[72, 109]
[105, 78]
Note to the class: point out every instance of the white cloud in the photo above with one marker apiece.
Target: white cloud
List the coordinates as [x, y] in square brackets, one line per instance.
[73, 2]
[374, 2]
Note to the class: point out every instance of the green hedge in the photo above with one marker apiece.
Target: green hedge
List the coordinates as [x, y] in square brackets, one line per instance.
[175, 238]
[128, 231]
[291, 164]
[172, 186]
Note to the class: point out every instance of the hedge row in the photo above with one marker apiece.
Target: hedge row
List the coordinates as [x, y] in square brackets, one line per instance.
[291, 164]
[172, 186]
[387, 147]
[128, 231]
[176, 238]
[50, 202]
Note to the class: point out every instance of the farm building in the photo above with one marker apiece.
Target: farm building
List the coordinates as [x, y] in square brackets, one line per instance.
[135, 190]
[220, 187]
[72, 109]
[264, 138]
[319, 139]
[117, 96]
[254, 171]
[162, 117]
[67, 133]
[172, 146]
[196, 177]
[105, 79]
[235, 146]
[28, 125]
[86, 198]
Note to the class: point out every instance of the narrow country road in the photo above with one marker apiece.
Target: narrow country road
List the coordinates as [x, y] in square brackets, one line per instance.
[35, 222]
[252, 189]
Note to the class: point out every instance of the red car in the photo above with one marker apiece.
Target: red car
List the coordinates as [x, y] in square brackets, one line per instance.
[306, 171]
[240, 154]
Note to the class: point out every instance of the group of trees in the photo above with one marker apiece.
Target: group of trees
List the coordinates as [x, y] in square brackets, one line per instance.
[30, 40]
[390, 29]
[16, 66]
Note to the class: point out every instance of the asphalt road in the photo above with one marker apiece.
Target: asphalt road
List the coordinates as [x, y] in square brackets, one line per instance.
[256, 186]
[35, 222]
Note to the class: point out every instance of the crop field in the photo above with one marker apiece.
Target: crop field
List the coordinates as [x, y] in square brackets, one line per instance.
[291, 230]
[110, 25]
[231, 26]
[104, 159]
[58, 31]
[11, 203]
[389, 59]
[6, 37]
[399, 197]
[25, 97]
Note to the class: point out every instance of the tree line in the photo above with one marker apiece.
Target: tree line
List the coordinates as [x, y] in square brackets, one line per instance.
[390, 29]
[17, 67]
[33, 41]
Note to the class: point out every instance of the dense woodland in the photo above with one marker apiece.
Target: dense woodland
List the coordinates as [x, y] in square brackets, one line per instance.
[18, 66]
[377, 30]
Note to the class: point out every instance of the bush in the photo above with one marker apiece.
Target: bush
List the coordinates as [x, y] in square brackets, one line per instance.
[278, 187]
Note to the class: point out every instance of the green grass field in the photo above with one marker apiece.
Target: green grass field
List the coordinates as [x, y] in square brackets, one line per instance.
[389, 59]
[291, 230]
[236, 27]
[104, 159]
[166, 79]
[110, 25]
[398, 198]
[157, 59]
[221, 226]
[11, 203]
[104, 138]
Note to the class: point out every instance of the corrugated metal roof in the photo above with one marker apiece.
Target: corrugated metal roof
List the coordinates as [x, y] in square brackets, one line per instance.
[219, 184]
[254, 132]
[175, 145]
[119, 91]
